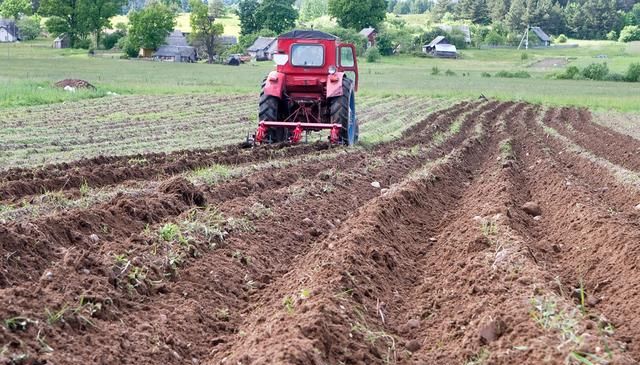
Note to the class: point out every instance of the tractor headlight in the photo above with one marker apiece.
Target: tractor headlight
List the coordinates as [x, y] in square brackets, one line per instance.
[332, 70]
[280, 59]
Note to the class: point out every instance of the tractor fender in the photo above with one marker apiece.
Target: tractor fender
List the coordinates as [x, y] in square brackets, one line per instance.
[334, 85]
[274, 84]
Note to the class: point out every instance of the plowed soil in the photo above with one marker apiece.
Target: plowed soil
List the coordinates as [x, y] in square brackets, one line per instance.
[489, 233]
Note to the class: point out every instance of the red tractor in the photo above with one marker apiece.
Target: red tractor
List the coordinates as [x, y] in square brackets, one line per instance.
[310, 90]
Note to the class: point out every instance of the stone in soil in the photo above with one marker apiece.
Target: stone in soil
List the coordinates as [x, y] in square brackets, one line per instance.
[492, 331]
[532, 208]
[413, 345]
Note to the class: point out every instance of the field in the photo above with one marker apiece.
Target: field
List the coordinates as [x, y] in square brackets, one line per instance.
[29, 70]
[469, 232]
[135, 229]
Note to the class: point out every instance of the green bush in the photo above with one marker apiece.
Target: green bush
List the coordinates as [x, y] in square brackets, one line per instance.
[372, 54]
[449, 73]
[561, 38]
[614, 76]
[630, 33]
[384, 44]
[29, 27]
[596, 71]
[633, 73]
[568, 74]
[435, 70]
[128, 47]
[486, 74]
[612, 36]
[513, 75]
[524, 56]
[110, 40]
[494, 38]
[82, 43]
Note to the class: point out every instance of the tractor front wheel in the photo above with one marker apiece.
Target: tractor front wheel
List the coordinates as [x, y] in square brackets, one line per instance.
[343, 112]
[269, 110]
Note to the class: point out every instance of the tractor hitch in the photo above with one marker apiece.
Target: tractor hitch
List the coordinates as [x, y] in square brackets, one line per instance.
[297, 129]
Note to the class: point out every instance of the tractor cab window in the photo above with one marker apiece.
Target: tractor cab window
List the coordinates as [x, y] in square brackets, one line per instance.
[346, 57]
[307, 55]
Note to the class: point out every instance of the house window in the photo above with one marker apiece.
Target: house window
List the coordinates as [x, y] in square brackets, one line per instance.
[307, 55]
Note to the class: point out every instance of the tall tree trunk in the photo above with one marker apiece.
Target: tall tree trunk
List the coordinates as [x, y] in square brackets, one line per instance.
[209, 43]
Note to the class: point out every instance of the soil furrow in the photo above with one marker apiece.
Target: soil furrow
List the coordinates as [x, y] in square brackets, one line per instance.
[315, 325]
[588, 231]
[227, 263]
[578, 125]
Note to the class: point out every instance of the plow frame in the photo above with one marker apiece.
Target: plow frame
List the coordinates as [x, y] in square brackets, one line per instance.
[303, 119]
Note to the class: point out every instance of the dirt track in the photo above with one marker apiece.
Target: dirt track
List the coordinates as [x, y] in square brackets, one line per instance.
[302, 261]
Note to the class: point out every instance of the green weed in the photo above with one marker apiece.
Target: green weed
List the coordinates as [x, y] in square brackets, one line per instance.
[17, 323]
[288, 303]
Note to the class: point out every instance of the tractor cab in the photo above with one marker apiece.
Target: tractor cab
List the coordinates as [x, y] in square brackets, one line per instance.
[312, 88]
[316, 54]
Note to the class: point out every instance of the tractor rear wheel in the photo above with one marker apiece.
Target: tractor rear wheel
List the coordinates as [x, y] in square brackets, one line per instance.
[343, 112]
[270, 110]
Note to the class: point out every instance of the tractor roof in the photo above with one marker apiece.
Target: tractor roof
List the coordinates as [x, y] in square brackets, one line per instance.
[308, 34]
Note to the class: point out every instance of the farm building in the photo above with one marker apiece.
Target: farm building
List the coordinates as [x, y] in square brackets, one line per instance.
[176, 38]
[9, 32]
[176, 49]
[544, 37]
[228, 40]
[445, 51]
[441, 47]
[464, 29]
[370, 34]
[61, 41]
[430, 47]
[263, 48]
[176, 54]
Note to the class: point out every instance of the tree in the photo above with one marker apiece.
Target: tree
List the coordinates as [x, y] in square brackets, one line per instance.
[420, 6]
[216, 8]
[442, 7]
[65, 16]
[29, 27]
[632, 17]
[97, 14]
[204, 27]
[247, 14]
[516, 17]
[358, 14]
[630, 33]
[475, 11]
[15, 8]
[592, 19]
[391, 5]
[498, 9]
[312, 9]
[276, 15]
[151, 25]
[402, 7]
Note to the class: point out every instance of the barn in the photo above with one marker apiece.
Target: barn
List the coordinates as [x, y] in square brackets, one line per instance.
[9, 32]
[176, 49]
[263, 48]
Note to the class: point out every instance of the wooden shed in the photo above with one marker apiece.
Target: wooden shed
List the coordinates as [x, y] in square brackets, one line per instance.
[9, 31]
[371, 34]
[62, 41]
